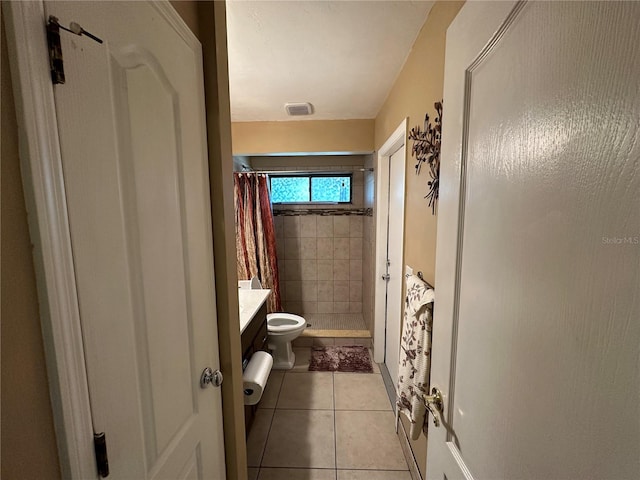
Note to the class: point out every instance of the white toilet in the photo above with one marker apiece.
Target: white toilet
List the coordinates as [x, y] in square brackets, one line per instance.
[282, 329]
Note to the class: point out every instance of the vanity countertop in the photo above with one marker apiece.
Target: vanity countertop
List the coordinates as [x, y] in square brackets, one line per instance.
[250, 302]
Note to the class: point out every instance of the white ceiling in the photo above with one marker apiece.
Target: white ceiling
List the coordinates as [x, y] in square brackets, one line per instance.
[342, 56]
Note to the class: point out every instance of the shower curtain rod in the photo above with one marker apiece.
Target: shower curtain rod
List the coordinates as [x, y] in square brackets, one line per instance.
[284, 172]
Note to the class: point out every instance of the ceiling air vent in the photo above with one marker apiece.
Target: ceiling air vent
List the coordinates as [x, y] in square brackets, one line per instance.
[297, 109]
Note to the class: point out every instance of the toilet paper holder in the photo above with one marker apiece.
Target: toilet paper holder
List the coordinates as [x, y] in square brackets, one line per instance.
[255, 377]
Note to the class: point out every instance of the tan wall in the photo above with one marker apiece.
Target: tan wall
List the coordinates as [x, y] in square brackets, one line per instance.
[311, 162]
[413, 94]
[28, 439]
[417, 88]
[254, 138]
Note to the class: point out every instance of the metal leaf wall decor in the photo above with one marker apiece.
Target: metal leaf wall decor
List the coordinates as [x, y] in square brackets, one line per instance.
[426, 149]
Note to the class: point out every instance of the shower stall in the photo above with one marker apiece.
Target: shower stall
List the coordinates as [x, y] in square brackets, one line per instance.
[325, 250]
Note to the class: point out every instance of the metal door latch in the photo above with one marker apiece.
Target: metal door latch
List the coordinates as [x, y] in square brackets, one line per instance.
[210, 377]
[435, 405]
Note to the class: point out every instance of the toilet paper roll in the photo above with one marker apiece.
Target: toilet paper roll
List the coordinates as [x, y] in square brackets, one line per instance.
[255, 377]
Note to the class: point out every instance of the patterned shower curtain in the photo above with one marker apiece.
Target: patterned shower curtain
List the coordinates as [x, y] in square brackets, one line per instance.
[255, 234]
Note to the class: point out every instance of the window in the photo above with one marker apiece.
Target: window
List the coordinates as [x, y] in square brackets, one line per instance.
[311, 188]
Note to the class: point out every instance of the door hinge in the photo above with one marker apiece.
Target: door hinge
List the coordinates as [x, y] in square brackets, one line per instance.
[55, 51]
[56, 63]
[102, 460]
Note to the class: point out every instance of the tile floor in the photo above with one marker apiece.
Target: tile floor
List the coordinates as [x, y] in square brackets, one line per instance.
[324, 426]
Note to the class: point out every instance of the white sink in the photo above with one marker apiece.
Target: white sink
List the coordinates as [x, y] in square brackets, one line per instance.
[250, 302]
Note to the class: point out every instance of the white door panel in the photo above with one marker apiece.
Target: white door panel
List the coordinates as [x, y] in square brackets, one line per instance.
[390, 188]
[536, 338]
[131, 122]
[395, 242]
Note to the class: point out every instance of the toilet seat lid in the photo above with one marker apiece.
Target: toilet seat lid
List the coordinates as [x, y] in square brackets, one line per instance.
[283, 322]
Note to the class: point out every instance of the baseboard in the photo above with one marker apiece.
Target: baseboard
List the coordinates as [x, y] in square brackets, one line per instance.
[402, 434]
[408, 453]
[388, 385]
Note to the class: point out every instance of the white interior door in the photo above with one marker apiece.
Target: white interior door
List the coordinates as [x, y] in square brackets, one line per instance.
[132, 134]
[390, 188]
[536, 334]
[395, 239]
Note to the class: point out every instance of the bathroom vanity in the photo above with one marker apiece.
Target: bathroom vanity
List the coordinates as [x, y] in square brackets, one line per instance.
[253, 331]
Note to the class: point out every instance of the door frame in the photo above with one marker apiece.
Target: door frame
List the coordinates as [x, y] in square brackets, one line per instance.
[45, 196]
[397, 140]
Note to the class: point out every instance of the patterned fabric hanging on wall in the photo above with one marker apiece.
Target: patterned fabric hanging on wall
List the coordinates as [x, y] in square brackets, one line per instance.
[415, 354]
[255, 234]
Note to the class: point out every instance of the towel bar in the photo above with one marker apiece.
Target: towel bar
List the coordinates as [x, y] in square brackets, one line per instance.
[421, 277]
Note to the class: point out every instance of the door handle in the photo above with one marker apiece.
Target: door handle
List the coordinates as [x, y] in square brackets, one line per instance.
[386, 277]
[435, 405]
[210, 377]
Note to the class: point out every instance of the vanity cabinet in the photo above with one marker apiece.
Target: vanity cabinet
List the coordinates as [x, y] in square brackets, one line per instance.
[254, 339]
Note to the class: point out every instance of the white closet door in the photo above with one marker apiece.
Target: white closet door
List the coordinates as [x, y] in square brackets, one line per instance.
[132, 134]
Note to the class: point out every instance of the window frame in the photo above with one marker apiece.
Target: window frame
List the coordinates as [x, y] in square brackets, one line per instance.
[310, 176]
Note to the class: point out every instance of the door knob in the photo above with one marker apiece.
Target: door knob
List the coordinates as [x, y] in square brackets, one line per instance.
[210, 377]
[435, 405]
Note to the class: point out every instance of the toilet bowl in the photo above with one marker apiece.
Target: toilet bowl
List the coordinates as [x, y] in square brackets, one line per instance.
[282, 329]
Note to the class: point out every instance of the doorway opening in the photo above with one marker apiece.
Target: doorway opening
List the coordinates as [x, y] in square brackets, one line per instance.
[390, 166]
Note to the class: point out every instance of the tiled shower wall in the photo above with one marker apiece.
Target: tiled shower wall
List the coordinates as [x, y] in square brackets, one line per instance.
[320, 255]
[325, 262]
[320, 263]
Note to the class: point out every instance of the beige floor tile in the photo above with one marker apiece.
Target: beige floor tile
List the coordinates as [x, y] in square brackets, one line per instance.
[367, 440]
[303, 355]
[301, 438]
[322, 341]
[347, 341]
[297, 474]
[270, 394]
[258, 436]
[364, 391]
[373, 475]
[252, 473]
[303, 342]
[376, 367]
[310, 390]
